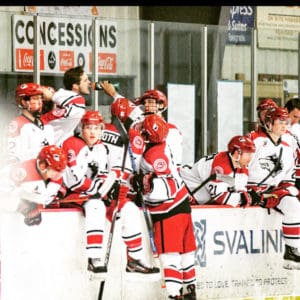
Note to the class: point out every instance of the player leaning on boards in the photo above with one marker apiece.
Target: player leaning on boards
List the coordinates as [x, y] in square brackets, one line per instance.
[27, 184]
[206, 188]
[271, 175]
[167, 199]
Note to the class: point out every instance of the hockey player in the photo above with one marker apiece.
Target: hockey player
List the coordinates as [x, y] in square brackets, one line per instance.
[88, 167]
[167, 199]
[27, 133]
[126, 111]
[205, 188]
[261, 109]
[28, 185]
[70, 104]
[293, 108]
[271, 175]
[156, 102]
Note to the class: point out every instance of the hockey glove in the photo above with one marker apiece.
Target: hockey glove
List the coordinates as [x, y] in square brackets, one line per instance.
[31, 212]
[148, 183]
[123, 190]
[249, 198]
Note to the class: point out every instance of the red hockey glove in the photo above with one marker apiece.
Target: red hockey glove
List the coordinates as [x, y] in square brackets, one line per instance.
[123, 190]
[269, 200]
[148, 183]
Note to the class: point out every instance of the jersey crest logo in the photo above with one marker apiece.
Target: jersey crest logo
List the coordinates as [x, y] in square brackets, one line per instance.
[59, 112]
[138, 142]
[160, 165]
[268, 163]
[12, 126]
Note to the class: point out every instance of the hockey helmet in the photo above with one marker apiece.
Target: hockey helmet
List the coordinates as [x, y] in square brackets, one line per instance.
[54, 156]
[266, 104]
[159, 96]
[121, 108]
[155, 128]
[241, 143]
[25, 90]
[278, 113]
[92, 117]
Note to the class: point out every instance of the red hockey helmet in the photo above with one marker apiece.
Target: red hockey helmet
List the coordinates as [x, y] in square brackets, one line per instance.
[242, 143]
[278, 113]
[121, 108]
[155, 128]
[266, 104]
[159, 96]
[92, 117]
[25, 90]
[54, 156]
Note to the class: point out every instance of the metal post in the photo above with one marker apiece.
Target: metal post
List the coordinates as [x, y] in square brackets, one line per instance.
[95, 59]
[152, 50]
[204, 91]
[36, 49]
[253, 82]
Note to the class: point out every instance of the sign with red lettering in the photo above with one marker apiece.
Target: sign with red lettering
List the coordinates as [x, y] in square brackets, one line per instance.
[64, 43]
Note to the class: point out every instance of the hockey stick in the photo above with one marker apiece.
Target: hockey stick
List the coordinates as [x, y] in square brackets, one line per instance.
[125, 140]
[144, 207]
[226, 178]
[274, 169]
[124, 135]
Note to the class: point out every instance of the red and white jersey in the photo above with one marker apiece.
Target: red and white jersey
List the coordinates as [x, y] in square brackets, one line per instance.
[169, 194]
[27, 178]
[86, 165]
[174, 141]
[112, 139]
[218, 191]
[26, 139]
[267, 156]
[67, 115]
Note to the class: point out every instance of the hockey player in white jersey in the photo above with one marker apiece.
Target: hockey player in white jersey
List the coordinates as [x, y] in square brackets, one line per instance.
[272, 176]
[70, 104]
[27, 133]
[203, 183]
[28, 186]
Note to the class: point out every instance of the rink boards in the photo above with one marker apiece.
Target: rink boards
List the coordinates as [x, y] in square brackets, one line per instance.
[239, 256]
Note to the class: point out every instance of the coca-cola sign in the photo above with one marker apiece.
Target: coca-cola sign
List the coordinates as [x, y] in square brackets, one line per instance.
[64, 43]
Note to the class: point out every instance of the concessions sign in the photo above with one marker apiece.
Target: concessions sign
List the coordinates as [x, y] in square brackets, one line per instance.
[278, 27]
[64, 43]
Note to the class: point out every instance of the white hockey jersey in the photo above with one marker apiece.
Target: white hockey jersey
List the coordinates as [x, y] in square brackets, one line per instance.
[65, 118]
[279, 160]
[26, 139]
[216, 191]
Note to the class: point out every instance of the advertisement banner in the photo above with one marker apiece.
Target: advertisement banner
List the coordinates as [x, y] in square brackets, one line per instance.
[278, 27]
[64, 43]
[240, 23]
[240, 254]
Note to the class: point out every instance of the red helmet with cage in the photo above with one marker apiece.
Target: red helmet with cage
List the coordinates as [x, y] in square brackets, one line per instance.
[54, 156]
[159, 96]
[241, 143]
[266, 104]
[92, 117]
[155, 128]
[25, 90]
[121, 108]
[278, 113]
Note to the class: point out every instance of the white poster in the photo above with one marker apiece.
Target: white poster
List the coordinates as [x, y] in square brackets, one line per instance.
[181, 112]
[278, 27]
[230, 111]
